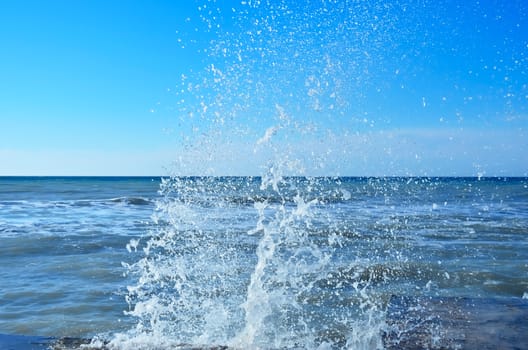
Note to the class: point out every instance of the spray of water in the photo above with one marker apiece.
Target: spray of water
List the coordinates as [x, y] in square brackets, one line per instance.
[253, 263]
[266, 262]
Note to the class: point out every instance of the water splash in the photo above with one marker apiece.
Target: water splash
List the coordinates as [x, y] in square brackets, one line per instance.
[187, 280]
[287, 303]
[295, 73]
[252, 263]
[266, 262]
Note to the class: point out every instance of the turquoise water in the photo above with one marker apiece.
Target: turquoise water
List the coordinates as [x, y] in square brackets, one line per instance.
[238, 260]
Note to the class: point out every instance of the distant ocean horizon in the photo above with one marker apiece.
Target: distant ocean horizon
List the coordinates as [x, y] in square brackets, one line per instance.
[357, 177]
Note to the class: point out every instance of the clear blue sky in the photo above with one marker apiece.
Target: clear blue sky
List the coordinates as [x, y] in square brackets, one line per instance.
[226, 87]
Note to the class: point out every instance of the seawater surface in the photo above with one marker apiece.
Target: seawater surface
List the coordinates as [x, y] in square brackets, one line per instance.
[253, 262]
[62, 241]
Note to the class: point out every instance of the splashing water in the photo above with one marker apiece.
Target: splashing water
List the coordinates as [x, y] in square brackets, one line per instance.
[208, 277]
[278, 261]
[297, 297]
[263, 262]
[284, 79]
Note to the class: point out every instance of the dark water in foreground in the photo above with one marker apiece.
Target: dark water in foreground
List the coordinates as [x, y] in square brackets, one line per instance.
[219, 260]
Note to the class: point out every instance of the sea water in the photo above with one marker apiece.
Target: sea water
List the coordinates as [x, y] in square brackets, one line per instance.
[62, 243]
[272, 261]
[250, 262]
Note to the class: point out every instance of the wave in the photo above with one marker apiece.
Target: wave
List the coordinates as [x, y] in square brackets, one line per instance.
[43, 204]
[132, 200]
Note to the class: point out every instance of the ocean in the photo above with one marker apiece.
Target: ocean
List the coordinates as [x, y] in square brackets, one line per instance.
[250, 262]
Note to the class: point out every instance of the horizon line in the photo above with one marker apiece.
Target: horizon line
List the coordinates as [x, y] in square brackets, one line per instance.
[285, 176]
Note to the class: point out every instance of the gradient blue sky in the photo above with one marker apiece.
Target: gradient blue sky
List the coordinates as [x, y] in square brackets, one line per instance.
[348, 88]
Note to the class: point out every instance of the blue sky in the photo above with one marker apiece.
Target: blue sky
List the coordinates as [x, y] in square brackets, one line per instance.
[230, 87]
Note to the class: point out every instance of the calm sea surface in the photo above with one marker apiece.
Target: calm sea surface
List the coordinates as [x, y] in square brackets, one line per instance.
[80, 256]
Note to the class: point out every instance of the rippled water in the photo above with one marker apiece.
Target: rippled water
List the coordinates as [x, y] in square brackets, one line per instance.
[248, 261]
[62, 243]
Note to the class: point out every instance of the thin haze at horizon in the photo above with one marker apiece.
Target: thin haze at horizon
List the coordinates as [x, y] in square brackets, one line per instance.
[359, 88]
